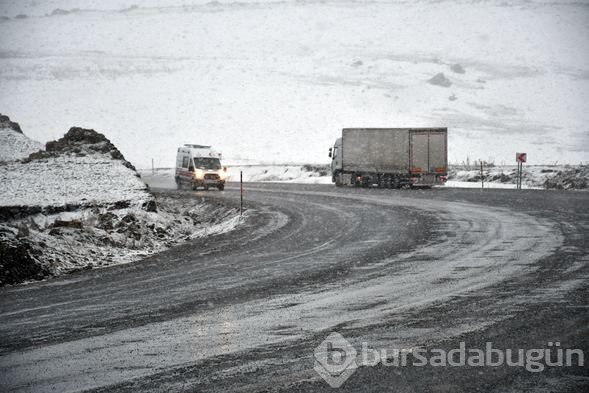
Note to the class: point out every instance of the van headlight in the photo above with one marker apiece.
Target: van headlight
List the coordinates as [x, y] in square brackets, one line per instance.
[198, 174]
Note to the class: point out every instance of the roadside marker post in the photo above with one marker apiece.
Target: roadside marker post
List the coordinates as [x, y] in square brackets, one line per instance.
[240, 193]
[520, 158]
[482, 177]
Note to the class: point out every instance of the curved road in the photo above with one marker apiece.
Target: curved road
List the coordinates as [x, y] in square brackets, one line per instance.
[245, 310]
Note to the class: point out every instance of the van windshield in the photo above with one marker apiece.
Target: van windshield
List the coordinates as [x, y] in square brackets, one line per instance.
[207, 163]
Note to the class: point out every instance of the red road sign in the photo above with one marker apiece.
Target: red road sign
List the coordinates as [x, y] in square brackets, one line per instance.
[521, 157]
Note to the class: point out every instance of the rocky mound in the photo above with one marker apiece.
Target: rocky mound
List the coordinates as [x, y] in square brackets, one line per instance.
[82, 169]
[81, 142]
[11, 125]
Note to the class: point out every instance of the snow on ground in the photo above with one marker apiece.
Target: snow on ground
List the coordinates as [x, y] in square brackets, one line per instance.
[14, 144]
[276, 81]
[534, 177]
[304, 174]
[67, 179]
[99, 237]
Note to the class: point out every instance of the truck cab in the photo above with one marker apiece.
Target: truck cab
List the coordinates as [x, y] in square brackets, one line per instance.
[199, 166]
[336, 160]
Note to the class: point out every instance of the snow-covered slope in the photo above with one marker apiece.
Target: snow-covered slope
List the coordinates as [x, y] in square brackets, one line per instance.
[14, 144]
[275, 81]
[82, 169]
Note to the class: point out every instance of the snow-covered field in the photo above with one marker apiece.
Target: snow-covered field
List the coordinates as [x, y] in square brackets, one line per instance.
[534, 177]
[305, 174]
[275, 81]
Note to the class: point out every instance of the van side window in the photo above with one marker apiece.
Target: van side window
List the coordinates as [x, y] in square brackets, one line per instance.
[185, 161]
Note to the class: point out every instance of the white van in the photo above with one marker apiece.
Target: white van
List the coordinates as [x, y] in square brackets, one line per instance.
[199, 166]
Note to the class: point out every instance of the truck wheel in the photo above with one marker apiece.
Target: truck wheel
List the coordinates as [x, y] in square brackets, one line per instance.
[338, 180]
[396, 183]
[382, 181]
[221, 187]
[206, 188]
[178, 184]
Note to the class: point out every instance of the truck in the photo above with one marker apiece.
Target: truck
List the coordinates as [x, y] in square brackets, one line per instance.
[199, 166]
[390, 157]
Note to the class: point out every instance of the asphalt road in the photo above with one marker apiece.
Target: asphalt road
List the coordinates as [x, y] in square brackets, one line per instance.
[244, 311]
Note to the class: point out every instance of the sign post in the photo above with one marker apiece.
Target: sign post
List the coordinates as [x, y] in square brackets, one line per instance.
[240, 193]
[520, 158]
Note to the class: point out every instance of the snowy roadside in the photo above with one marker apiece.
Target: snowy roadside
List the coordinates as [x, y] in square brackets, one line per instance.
[269, 173]
[79, 205]
[54, 244]
[563, 177]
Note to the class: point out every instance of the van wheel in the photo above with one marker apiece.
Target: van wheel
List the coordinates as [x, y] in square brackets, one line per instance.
[194, 186]
[221, 187]
[206, 188]
[178, 184]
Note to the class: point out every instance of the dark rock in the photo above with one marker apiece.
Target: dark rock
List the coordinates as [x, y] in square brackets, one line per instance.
[59, 11]
[120, 205]
[18, 262]
[440, 80]
[23, 231]
[322, 170]
[106, 221]
[16, 212]
[129, 218]
[150, 206]
[457, 68]
[77, 224]
[501, 177]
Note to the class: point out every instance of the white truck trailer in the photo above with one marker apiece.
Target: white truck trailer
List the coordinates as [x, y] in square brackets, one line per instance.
[390, 157]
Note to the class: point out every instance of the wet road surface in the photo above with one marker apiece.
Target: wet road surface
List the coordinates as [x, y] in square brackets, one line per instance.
[245, 310]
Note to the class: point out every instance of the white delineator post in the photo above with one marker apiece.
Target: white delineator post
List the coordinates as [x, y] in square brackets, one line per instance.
[240, 193]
